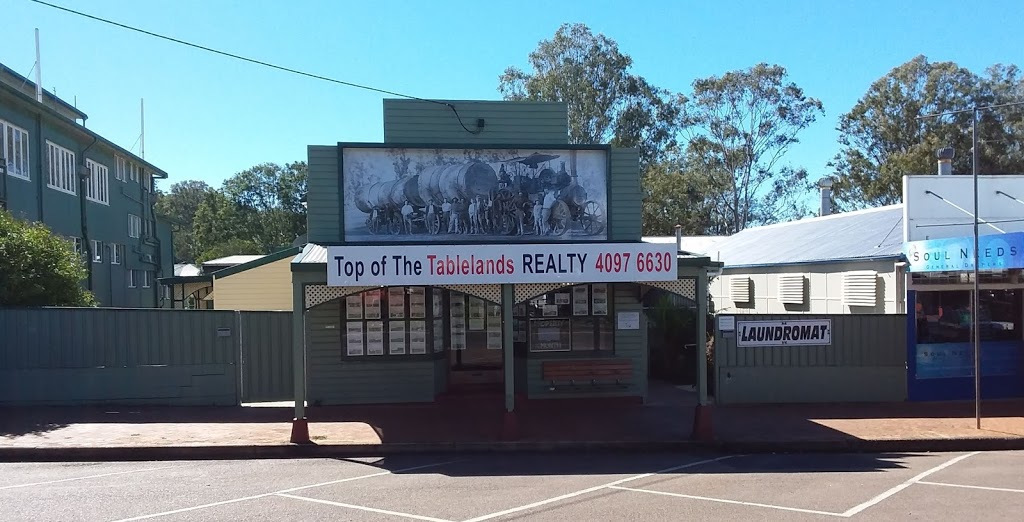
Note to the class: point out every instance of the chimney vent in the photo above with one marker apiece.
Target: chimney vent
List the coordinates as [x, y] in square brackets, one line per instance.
[945, 161]
[825, 184]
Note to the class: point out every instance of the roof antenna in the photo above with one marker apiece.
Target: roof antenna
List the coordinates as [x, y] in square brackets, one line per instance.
[39, 72]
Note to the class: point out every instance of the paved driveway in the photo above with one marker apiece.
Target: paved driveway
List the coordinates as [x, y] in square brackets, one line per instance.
[946, 486]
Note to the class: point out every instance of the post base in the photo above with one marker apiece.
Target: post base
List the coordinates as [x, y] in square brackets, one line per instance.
[300, 431]
[702, 424]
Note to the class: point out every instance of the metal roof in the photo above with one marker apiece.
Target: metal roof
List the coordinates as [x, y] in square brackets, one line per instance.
[693, 244]
[232, 260]
[186, 270]
[875, 233]
[312, 253]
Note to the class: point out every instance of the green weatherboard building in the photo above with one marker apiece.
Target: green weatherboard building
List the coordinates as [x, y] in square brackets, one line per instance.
[85, 188]
[476, 251]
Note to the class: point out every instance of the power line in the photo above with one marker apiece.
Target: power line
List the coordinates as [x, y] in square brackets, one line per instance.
[253, 60]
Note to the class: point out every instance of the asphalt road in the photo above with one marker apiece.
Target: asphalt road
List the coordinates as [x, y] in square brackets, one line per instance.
[940, 486]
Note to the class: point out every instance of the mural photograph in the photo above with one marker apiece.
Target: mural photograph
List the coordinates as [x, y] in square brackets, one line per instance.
[467, 195]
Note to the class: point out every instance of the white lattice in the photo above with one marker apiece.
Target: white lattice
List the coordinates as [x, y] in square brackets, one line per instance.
[526, 291]
[320, 294]
[685, 287]
[488, 292]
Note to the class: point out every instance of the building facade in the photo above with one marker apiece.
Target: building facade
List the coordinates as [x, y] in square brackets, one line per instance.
[476, 251]
[85, 188]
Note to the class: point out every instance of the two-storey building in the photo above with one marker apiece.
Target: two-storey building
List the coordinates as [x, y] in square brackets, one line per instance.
[86, 188]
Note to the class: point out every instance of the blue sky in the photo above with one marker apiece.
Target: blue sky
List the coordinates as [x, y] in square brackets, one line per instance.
[208, 117]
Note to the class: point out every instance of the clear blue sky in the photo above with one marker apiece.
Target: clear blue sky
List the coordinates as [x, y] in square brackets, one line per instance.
[208, 117]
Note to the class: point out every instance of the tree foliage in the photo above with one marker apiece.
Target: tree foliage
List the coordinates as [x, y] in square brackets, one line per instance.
[606, 102]
[179, 206]
[257, 211]
[886, 135]
[38, 268]
[740, 126]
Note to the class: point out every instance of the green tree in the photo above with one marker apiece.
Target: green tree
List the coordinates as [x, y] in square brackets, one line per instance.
[38, 268]
[740, 126]
[606, 102]
[676, 194]
[884, 136]
[259, 208]
[180, 206]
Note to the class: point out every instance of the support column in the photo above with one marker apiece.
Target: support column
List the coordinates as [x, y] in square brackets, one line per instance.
[702, 424]
[510, 430]
[300, 425]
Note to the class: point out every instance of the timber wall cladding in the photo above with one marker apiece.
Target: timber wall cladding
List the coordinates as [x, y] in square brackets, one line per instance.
[72, 356]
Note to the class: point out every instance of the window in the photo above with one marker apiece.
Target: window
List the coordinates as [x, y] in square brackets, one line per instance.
[388, 322]
[62, 169]
[97, 251]
[148, 231]
[147, 278]
[15, 150]
[76, 242]
[133, 171]
[96, 186]
[945, 316]
[120, 168]
[573, 318]
[115, 252]
[133, 278]
[134, 225]
[146, 181]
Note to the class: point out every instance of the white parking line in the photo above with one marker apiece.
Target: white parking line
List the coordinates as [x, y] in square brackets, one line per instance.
[727, 501]
[593, 489]
[280, 492]
[1008, 490]
[896, 489]
[364, 508]
[84, 478]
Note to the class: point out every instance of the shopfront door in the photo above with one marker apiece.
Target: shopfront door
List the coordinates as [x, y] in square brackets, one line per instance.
[475, 354]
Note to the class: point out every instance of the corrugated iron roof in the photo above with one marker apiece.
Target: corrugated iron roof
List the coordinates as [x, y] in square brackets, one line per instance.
[863, 234]
[312, 253]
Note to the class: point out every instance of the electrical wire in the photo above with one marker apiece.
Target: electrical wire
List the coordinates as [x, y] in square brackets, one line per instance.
[255, 61]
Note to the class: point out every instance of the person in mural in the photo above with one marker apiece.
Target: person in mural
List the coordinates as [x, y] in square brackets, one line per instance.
[431, 214]
[474, 218]
[485, 213]
[407, 216]
[538, 213]
[519, 216]
[449, 216]
[549, 203]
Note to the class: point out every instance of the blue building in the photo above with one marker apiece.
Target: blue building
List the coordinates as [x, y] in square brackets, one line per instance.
[85, 188]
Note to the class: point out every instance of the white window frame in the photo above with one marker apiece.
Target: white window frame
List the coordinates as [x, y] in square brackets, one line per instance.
[132, 276]
[147, 278]
[134, 226]
[97, 186]
[121, 168]
[133, 171]
[76, 243]
[97, 251]
[116, 253]
[15, 153]
[147, 181]
[61, 172]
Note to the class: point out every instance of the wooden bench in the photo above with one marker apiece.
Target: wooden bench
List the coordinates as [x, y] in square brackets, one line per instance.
[587, 374]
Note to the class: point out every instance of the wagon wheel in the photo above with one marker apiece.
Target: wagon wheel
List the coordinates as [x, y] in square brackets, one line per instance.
[373, 225]
[592, 219]
[433, 223]
[560, 217]
[394, 225]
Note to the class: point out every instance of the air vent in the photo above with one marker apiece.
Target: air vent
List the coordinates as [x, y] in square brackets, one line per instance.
[739, 289]
[860, 288]
[791, 288]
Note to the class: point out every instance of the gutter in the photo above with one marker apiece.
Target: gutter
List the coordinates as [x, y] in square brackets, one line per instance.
[816, 262]
[86, 244]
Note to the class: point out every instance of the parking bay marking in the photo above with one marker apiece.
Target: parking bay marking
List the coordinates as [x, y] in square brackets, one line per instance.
[363, 508]
[85, 477]
[289, 490]
[910, 482]
[987, 488]
[727, 501]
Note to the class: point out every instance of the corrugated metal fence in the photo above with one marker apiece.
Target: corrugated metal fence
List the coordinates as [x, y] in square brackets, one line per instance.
[142, 356]
[865, 361]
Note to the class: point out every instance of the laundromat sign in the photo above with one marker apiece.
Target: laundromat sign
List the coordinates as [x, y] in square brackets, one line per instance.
[398, 265]
[802, 332]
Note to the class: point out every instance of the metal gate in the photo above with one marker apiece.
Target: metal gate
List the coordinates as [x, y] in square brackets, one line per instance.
[266, 356]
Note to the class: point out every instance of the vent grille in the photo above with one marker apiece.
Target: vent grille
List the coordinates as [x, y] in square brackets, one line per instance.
[860, 288]
[791, 288]
[739, 289]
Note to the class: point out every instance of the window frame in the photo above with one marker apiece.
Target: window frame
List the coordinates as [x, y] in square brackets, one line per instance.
[121, 169]
[24, 171]
[97, 251]
[97, 185]
[600, 323]
[61, 169]
[116, 253]
[147, 278]
[134, 226]
[132, 278]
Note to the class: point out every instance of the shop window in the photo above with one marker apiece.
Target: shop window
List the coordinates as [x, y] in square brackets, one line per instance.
[570, 319]
[945, 317]
[388, 323]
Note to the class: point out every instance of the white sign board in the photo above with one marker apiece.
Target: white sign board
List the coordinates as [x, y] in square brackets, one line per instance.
[403, 265]
[628, 320]
[802, 332]
[726, 323]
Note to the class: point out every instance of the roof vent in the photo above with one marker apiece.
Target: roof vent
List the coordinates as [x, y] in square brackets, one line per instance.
[791, 288]
[739, 289]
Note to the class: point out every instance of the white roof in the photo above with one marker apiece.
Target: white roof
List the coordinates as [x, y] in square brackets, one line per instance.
[232, 260]
[186, 270]
[693, 244]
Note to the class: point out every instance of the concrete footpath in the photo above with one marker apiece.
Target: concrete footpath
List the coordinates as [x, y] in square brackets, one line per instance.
[479, 425]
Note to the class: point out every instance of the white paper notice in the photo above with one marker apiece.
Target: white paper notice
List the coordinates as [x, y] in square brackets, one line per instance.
[628, 320]
[396, 302]
[354, 339]
[417, 303]
[599, 299]
[354, 307]
[396, 337]
[371, 301]
[374, 338]
[580, 300]
[417, 337]
[476, 314]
